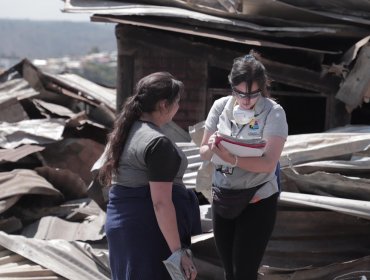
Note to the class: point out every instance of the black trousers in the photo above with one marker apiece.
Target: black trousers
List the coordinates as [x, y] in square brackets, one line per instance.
[241, 242]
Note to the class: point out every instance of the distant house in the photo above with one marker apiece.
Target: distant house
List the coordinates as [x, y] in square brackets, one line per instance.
[317, 77]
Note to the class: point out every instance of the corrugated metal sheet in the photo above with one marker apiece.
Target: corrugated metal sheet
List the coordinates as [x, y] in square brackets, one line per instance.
[272, 18]
[49, 227]
[35, 131]
[16, 88]
[16, 154]
[87, 88]
[16, 267]
[304, 245]
[315, 146]
[20, 182]
[53, 110]
[71, 260]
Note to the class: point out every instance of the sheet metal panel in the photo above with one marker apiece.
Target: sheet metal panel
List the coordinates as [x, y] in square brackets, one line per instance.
[36, 131]
[311, 242]
[67, 259]
[206, 32]
[48, 228]
[13, 155]
[51, 109]
[14, 266]
[358, 208]
[19, 182]
[12, 111]
[88, 88]
[315, 146]
[25, 181]
[16, 88]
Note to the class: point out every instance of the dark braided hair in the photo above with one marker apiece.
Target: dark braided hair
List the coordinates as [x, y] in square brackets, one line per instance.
[148, 92]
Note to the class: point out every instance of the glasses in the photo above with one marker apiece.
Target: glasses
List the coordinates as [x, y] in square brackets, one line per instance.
[243, 95]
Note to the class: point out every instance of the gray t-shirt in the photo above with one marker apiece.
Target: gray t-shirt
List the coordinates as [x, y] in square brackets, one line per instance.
[144, 138]
[269, 120]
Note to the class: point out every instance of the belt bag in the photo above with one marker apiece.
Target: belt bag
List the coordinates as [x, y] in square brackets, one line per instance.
[230, 203]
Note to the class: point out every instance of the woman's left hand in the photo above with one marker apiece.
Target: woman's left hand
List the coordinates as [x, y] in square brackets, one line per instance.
[188, 266]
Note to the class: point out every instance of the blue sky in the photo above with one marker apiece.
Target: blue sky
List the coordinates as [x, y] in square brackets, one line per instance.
[38, 10]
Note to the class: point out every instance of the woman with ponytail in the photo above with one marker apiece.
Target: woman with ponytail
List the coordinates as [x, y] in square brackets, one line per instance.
[150, 214]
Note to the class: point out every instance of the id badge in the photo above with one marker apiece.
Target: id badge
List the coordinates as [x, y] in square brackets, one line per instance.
[227, 170]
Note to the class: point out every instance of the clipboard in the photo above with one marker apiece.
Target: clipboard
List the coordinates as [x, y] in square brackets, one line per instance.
[239, 147]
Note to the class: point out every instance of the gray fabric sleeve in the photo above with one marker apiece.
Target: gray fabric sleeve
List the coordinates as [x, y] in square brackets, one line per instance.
[276, 124]
[214, 114]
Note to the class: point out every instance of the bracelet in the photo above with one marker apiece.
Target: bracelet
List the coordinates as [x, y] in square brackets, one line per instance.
[236, 161]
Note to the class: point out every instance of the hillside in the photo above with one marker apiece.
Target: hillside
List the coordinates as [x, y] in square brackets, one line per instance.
[46, 39]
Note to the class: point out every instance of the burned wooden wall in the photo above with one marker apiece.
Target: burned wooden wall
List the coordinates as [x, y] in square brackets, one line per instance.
[146, 53]
[203, 64]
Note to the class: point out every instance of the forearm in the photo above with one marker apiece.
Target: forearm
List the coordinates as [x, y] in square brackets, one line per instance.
[205, 147]
[256, 164]
[166, 217]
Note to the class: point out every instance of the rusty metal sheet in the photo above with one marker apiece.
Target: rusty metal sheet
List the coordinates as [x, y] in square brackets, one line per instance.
[73, 154]
[67, 182]
[12, 111]
[37, 131]
[53, 110]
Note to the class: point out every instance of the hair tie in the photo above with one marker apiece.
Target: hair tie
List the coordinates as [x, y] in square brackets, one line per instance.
[249, 56]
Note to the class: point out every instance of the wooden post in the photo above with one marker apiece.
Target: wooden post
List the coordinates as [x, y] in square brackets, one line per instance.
[125, 69]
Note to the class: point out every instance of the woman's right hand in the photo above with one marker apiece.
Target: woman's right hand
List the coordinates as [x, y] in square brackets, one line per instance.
[206, 145]
[188, 266]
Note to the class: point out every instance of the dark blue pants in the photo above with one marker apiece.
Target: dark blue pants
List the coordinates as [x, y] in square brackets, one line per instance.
[136, 244]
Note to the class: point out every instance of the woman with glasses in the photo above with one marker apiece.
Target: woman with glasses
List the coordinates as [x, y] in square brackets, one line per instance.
[245, 189]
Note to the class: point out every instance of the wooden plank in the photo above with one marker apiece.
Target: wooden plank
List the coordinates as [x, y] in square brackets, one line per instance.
[125, 70]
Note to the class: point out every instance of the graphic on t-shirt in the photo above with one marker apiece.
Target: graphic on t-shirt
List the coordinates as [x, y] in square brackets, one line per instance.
[253, 124]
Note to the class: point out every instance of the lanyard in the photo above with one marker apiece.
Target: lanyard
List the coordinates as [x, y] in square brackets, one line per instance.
[240, 130]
